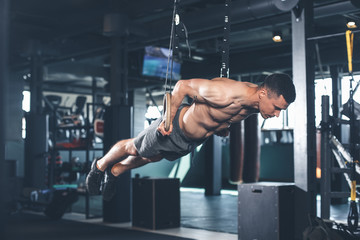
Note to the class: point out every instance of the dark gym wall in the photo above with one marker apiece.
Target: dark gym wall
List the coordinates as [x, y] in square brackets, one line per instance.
[4, 68]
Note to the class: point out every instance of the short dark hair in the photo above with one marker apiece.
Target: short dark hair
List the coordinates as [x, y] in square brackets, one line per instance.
[280, 84]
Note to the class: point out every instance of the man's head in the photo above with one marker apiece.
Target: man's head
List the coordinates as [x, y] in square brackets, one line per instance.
[275, 94]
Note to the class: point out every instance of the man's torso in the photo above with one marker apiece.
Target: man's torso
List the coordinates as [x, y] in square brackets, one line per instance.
[201, 120]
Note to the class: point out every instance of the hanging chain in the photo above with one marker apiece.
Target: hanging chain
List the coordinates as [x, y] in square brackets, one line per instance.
[172, 33]
[224, 71]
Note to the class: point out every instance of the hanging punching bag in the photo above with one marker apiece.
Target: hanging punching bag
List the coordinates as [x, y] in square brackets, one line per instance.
[251, 167]
[236, 152]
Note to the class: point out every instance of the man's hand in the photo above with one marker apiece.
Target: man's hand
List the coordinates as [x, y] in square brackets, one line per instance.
[222, 133]
[161, 128]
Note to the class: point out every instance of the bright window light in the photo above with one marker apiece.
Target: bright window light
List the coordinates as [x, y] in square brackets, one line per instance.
[153, 112]
[324, 87]
[26, 101]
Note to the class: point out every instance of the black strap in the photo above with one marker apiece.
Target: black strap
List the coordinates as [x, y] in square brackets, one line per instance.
[224, 71]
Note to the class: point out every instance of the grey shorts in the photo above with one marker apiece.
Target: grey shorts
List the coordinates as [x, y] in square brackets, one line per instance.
[150, 142]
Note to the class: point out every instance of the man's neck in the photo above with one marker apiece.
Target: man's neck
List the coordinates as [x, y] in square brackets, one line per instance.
[252, 99]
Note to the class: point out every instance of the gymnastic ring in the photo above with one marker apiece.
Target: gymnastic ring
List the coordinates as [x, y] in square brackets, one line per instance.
[166, 110]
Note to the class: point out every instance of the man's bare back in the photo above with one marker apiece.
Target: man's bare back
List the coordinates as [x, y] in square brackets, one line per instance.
[217, 103]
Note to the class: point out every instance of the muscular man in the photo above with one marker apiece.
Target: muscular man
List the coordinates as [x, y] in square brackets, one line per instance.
[217, 103]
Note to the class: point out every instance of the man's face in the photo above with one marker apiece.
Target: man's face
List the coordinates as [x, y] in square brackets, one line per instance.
[270, 105]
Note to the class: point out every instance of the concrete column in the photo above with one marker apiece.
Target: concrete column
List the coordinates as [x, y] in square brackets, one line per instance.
[36, 79]
[120, 115]
[37, 128]
[304, 131]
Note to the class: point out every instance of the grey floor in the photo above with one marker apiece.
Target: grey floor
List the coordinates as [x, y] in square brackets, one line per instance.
[213, 213]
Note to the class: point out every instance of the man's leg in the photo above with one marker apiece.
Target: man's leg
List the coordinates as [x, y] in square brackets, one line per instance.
[111, 175]
[132, 162]
[119, 151]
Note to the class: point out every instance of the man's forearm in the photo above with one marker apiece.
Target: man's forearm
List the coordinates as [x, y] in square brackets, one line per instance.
[178, 94]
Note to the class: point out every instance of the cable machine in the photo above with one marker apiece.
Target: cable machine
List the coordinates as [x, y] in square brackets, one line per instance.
[347, 159]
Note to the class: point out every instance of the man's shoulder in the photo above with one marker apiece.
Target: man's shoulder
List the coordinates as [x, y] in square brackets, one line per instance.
[222, 79]
[244, 84]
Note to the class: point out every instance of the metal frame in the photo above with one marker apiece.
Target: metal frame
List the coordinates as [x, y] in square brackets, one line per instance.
[330, 143]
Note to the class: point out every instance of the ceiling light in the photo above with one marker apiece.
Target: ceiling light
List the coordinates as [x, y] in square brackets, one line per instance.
[277, 37]
[351, 24]
[198, 58]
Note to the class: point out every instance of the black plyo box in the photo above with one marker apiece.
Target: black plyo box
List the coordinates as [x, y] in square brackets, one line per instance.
[266, 211]
[156, 203]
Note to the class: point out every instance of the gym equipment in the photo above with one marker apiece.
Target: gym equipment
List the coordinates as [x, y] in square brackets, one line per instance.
[245, 151]
[252, 150]
[353, 216]
[167, 94]
[346, 111]
[99, 122]
[166, 110]
[347, 161]
[266, 211]
[61, 200]
[224, 70]
[237, 143]
[53, 202]
[156, 203]
[178, 30]
[76, 116]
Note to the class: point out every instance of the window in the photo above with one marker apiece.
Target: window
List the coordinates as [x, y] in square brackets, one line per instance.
[324, 87]
[26, 108]
[152, 114]
[26, 101]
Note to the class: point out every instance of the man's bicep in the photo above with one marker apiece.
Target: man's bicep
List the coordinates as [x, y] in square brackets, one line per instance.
[198, 88]
[213, 92]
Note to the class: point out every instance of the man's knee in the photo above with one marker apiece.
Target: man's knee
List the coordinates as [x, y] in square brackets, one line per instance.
[155, 158]
[130, 148]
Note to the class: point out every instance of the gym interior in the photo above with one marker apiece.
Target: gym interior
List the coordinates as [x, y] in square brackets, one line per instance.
[77, 76]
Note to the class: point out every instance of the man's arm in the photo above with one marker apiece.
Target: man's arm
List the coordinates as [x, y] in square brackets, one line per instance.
[223, 133]
[207, 91]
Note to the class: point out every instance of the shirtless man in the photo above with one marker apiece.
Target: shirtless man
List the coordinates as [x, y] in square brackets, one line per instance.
[217, 103]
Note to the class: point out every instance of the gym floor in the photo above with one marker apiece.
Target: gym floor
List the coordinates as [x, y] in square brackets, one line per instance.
[186, 232]
[202, 218]
[211, 217]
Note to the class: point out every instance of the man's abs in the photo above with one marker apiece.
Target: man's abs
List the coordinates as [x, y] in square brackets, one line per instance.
[197, 123]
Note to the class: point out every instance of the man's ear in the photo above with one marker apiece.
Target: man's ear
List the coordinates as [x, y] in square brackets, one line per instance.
[263, 93]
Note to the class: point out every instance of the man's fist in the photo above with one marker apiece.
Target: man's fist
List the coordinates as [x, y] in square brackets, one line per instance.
[222, 133]
[161, 128]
